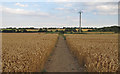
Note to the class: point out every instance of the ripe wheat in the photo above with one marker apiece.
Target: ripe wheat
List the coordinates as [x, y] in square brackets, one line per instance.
[98, 53]
[26, 52]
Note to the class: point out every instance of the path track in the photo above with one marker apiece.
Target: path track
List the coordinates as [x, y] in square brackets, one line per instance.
[61, 59]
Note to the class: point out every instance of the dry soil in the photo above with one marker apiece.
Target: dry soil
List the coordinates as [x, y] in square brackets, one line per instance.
[61, 60]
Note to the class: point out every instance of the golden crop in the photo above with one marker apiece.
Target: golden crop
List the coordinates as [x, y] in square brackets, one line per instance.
[98, 53]
[84, 29]
[26, 52]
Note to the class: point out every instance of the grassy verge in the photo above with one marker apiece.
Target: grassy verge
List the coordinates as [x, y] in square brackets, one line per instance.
[63, 36]
[92, 33]
[43, 70]
[51, 32]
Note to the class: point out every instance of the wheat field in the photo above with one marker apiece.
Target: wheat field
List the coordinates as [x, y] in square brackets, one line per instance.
[96, 52]
[26, 52]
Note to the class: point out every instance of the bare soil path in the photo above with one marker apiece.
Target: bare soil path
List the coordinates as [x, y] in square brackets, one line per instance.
[61, 59]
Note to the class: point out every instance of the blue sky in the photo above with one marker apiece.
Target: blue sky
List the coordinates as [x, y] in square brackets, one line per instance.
[58, 14]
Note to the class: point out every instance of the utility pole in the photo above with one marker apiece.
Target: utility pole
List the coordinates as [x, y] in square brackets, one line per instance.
[80, 22]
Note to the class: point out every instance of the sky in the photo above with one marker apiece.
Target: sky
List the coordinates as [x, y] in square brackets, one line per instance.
[56, 13]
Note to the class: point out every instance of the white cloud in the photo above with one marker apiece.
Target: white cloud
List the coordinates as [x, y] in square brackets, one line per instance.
[107, 9]
[21, 5]
[64, 9]
[82, 0]
[57, 0]
[60, 8]
[0, 8]
[106, 0]
[102, 8]
[67, 10]
[23, 12]
[68, 5]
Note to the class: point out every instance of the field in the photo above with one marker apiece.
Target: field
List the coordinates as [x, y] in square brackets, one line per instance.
[64, 29]
[32, 29]
[99, 32]
[84, 30]
[23, 52]
[29, 52]
[97, 52]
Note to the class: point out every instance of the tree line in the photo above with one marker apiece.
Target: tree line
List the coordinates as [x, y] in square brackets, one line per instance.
[115, 29]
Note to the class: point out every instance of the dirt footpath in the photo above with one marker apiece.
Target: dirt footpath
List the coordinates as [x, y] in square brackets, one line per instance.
[61, 59]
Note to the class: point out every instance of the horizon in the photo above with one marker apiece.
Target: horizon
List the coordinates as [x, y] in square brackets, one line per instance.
[58, 27]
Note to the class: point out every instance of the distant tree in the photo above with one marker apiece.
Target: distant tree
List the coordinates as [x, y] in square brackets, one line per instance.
[24, 30]
[89, 30]
[40, 30]
[31, 27]
[56, 31]
[71, 32]
[8, 31]
[9, 28]
[115, 29]
[74, 30]
[51, 31]
[62, 32]
[18, 31]
[45, 30]
[66, 30]
[81, 31]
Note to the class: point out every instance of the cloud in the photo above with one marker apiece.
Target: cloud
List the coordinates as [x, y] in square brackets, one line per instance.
[103, 8]
[107, 9]
[67, 10]
[0, 8]
[21, 5]
[59, 0]
[106, 0]
[63, 9]
[60, 8]
[19, 11]
[83, 1]
[68, 5]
